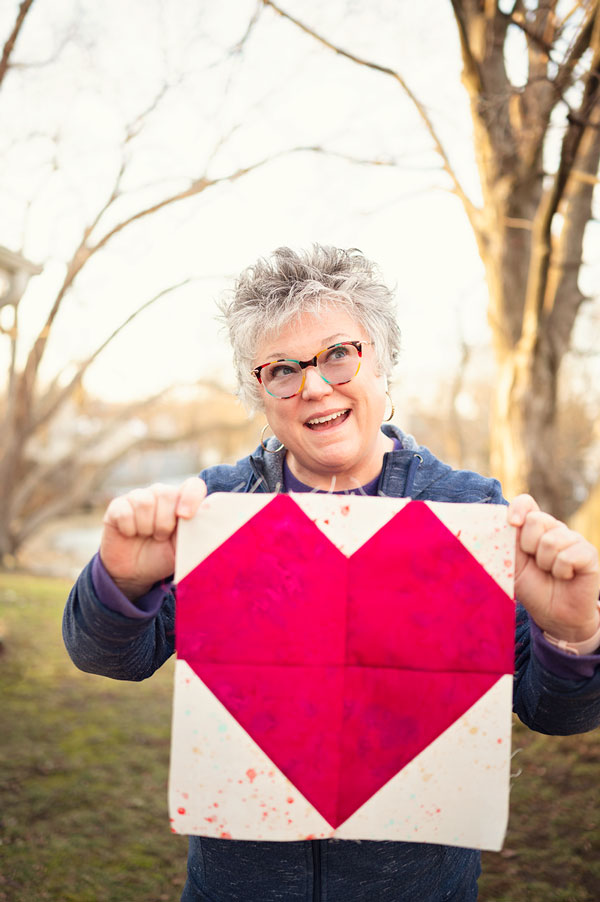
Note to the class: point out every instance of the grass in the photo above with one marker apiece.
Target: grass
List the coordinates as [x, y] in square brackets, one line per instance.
[83, 775]
[83, 768]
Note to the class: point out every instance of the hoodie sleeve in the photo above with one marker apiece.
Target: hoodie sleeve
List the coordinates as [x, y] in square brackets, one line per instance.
[551, 694]
[107, 642]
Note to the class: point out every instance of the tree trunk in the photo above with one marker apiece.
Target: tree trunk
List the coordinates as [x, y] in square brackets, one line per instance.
[531, 227]
[523, 429]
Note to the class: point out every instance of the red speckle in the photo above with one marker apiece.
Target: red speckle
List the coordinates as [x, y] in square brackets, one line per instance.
[181, 811]
[310, 836]
[289, 800]
[345, 510]
[289, 820]
[499, 741]
[185, 795]
[173, 830]
[225, 835]
[171, 819]
[458, 533]
[437, 810]
[326, 521]
[215, 805]
[251, 774]
[210, 820]
[507, 563]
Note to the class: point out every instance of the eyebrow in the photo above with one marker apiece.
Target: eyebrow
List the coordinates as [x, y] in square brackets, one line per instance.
[329, 339]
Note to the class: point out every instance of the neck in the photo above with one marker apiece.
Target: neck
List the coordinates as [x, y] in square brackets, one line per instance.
[332, 479]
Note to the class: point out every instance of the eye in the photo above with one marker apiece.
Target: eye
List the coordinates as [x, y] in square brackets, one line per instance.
[280, 370]
[338, 353]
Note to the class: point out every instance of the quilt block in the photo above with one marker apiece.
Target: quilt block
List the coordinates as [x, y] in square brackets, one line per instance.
[344, 668]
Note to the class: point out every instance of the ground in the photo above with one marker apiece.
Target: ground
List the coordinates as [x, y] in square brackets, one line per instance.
[83, 777]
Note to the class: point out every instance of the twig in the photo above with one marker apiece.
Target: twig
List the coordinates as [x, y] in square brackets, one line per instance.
[12, 38]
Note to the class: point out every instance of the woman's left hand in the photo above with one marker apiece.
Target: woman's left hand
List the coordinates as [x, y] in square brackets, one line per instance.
[557, 574]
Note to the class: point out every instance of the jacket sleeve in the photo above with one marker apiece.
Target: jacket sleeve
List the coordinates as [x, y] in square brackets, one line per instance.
[547, 702]
[107, 643]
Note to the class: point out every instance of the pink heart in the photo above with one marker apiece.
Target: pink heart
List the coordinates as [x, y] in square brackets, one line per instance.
[343, 669]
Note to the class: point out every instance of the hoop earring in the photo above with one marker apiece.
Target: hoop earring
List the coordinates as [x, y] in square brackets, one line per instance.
[262, 441]
[393, 410]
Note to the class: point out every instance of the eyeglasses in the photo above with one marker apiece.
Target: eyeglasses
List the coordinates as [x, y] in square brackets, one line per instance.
[337, 364]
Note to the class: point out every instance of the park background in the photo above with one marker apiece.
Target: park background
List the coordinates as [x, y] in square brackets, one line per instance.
[149, 152]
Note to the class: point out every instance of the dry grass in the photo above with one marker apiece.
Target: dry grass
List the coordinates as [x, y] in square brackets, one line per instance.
[83, 771]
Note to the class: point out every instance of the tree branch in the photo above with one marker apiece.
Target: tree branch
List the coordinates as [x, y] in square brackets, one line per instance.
[68, 390]
[85, 251]
[391, 73]
[542, 243]
[10, 390]
[239, 46]
[12, 38]
[87, 481]
[564, 76]
[517, 18]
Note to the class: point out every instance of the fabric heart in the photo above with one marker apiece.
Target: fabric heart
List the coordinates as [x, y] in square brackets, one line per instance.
[340, 668]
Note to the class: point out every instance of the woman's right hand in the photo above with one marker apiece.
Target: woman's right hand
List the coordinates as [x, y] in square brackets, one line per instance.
[138, 539]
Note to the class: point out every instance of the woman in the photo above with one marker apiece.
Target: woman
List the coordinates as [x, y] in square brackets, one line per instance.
[315, 339]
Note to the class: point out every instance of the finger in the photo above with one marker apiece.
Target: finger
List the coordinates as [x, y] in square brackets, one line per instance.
[579, 557]
[519, 507]
[120, 516]
[165, 520]
[191, 494]
[143, 502]
[551, 554]
[536, 524]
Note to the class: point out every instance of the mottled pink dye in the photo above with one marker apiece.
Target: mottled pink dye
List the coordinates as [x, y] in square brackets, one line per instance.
[343, 670]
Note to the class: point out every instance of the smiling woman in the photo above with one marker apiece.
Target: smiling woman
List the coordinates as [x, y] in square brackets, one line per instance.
[315, 339]
[325, 324]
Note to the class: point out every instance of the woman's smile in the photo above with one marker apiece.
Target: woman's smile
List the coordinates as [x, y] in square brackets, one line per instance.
[324, 422]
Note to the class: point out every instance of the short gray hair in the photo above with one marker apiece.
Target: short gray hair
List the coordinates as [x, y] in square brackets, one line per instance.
[274, 291]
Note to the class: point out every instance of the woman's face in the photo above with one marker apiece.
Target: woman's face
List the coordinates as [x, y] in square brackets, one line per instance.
[349, 443]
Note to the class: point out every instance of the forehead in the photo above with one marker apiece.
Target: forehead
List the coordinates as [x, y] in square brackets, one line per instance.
[307, 333]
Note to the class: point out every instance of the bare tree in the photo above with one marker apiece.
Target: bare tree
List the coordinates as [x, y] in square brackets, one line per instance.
[536, 206]
[33, 489]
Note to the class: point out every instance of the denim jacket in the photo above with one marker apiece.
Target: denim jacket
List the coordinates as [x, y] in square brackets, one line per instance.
[106, 642]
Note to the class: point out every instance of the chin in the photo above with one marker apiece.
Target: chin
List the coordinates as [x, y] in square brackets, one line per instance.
[334, 463]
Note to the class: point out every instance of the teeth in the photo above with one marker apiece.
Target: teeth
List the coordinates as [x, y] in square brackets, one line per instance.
[332, 416]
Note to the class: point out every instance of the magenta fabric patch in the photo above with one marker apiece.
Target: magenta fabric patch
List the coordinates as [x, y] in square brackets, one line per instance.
[343, 669]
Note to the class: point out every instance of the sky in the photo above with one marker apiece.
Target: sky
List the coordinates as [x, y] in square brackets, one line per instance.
[61, 145]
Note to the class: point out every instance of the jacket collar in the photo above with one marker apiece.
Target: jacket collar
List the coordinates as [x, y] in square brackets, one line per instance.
[406, 472]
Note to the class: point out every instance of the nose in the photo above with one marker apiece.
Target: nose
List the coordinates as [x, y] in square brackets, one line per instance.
[314, 385]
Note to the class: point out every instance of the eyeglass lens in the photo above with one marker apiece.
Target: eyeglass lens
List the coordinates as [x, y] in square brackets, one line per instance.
[336, 365]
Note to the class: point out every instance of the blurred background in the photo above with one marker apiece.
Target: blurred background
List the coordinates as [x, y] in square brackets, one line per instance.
[152, 150]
